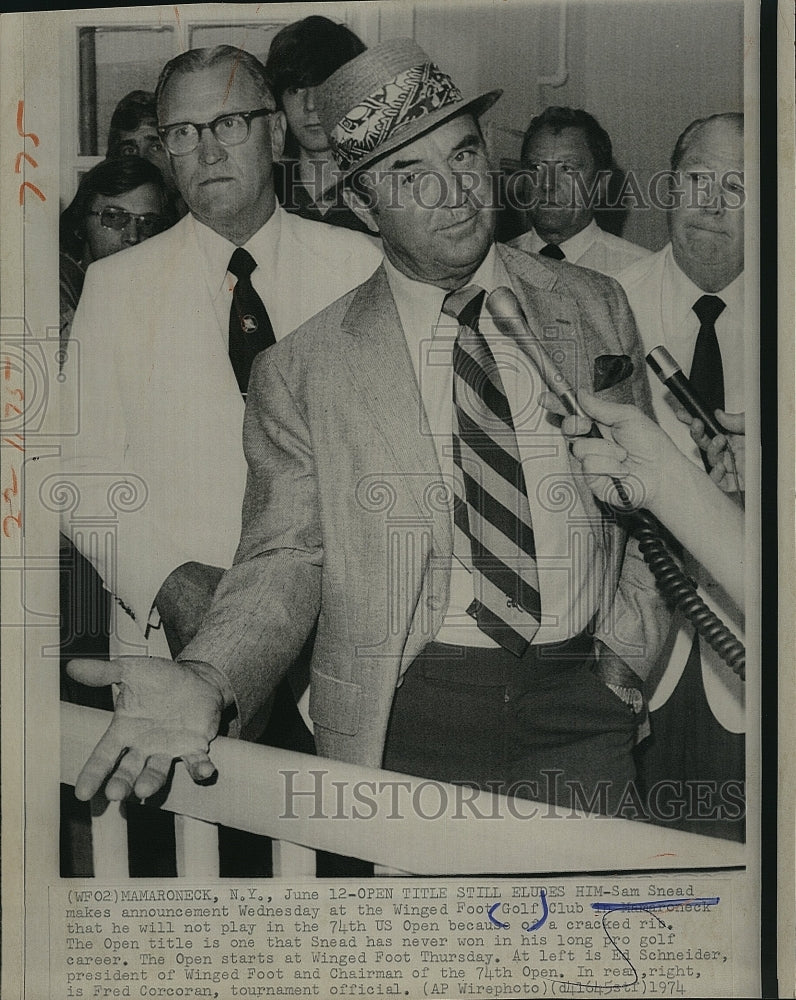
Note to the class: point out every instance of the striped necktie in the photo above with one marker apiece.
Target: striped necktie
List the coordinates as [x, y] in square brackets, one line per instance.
[491, 504]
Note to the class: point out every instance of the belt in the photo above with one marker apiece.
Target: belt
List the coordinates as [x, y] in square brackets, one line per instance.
[486, 666]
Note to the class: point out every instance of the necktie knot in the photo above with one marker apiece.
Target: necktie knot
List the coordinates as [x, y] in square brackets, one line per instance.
[708, 308]
[464, 305]
[553, 251]
[242, 263]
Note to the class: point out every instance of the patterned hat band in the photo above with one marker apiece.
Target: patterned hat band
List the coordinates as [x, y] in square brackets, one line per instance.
[412, 94]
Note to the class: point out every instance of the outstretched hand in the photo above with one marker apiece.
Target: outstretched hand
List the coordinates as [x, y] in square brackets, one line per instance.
[165, 710]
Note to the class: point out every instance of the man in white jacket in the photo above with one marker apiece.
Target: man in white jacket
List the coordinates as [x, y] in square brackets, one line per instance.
[689, 298]
[161, 408]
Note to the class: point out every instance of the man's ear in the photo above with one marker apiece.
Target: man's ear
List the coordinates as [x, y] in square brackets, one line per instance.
[362, 208]
[278, 127]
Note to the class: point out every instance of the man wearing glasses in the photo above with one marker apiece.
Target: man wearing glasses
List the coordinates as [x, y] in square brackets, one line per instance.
[167, 333]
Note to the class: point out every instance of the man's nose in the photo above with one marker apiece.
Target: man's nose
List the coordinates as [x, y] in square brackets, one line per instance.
[309, 99]
[131, 235]
[210, 149]
[717, 201]
[454, 187]
[548, 177]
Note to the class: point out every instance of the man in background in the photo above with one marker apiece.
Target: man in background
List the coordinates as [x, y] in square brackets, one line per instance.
[567, 161]
[689, 298]
[133, 131]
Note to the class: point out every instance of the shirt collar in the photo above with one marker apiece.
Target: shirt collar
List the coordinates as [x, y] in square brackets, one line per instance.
[410, 294]
[217, 250]
[575, 247]
[683, 292]
[490, 275]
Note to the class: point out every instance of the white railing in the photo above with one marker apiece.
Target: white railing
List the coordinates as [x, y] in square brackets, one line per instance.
[418, 826]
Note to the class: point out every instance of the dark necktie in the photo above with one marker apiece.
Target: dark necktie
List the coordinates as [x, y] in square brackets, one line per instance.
[493, 513]
[250, 329]
[553, 251]
[707, 372]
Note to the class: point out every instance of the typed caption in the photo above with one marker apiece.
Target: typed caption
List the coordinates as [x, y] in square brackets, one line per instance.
[523, 937]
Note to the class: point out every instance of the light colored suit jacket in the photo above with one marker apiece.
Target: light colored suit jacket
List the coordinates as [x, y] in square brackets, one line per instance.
[345, 524]
[161, 415]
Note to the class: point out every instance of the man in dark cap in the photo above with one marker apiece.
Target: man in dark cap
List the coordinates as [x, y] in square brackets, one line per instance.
[401, 471]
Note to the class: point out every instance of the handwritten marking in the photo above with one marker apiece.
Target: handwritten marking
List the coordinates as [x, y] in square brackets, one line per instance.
[23, 156]
[34, 189]
[659, 905]
[13, 489]
[16, 518]
[496, 922]
[20, 129]
[541, 920]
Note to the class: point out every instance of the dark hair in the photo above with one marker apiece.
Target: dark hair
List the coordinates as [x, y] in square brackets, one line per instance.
[307, 52]
[111, 177]
[195, 60]
[135, 109]
[557, 118]
[690, 133]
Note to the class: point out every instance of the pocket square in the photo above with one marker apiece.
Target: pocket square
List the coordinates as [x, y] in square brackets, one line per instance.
[610, 369]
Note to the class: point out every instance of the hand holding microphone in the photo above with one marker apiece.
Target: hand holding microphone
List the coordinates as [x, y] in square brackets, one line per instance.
[632, 444]
[504, 308]
[631, 449]
[724, 453]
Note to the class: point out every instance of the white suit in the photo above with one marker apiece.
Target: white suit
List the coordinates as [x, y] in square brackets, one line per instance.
[159, 457]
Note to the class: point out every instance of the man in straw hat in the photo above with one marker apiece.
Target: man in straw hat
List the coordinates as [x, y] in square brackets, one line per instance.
[477, 618]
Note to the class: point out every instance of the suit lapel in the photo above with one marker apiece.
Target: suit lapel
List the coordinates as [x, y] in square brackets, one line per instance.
[552, 315]
[383, 374]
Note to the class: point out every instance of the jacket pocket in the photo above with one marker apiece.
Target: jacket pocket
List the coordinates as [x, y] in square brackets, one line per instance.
[335, 704]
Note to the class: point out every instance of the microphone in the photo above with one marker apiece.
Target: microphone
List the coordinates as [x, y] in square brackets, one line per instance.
[504, 308]
[670, 373]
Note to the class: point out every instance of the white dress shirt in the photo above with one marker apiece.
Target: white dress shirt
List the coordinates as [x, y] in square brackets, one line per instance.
[662, 298]
[591, 247]
[570, 557]
[273, 246]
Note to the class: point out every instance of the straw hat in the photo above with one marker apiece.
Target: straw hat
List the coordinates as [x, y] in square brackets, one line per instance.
[385, 98]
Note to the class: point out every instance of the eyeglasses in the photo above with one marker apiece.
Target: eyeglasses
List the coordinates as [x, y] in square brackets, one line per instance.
[119, 219]
[230, 130]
